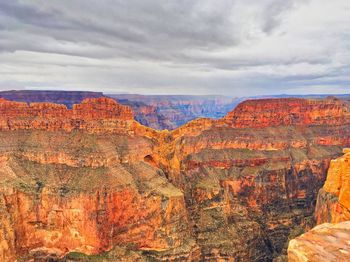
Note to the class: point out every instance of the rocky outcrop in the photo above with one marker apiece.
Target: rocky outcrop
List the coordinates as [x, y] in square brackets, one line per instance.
[324, 243]
[333, 202]
[288, 111]
[90, 178]
[93, 115]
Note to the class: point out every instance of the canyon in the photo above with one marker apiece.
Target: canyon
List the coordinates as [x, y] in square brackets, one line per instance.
[90, 181]
[157, 111]
[172, 111]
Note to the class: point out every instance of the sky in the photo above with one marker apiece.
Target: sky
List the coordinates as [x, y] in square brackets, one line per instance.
[226, 47]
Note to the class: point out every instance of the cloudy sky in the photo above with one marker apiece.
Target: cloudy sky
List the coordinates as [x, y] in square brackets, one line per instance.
[233, 47]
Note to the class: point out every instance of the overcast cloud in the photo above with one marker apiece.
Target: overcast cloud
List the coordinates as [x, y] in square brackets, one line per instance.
[233, 47]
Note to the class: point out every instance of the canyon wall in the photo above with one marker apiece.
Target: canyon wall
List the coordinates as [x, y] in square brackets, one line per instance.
[91, 179]
[333, 202]
[328, 242]
[246, 182]
[92, 114]
[87, 192]
[287, 111]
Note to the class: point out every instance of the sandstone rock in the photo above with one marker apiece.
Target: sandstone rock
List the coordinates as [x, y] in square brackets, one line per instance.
[324, 243]
[92, 115]
[260, 170]
[80, 192]
[333, 202]
[287, 111]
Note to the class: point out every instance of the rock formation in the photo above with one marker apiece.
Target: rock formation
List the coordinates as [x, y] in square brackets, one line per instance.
[91, 179]
[246, 182]
[333, 201]
[92, 114]
[67, 187]
[324, 243]
[287, 111]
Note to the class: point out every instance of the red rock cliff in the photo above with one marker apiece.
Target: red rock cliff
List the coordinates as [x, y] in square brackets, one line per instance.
[253, 176]
[89, 115]
[287, 111]
[333, 202]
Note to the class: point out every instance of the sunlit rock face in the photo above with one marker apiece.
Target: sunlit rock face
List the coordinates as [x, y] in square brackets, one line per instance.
[80, 192]
[90, 115]
[324, 243]
[91, 179]
[333, 202]
[76, 180]
[288, 111]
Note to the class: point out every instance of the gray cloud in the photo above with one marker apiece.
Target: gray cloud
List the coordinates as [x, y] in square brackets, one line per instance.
[230, 47]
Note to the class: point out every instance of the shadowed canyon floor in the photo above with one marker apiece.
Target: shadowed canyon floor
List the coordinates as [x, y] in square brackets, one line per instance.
[91, 179]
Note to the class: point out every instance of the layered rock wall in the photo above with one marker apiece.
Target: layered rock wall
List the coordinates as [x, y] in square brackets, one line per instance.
[333, 202]
[287, 111]
[253, 176]
[93, 114]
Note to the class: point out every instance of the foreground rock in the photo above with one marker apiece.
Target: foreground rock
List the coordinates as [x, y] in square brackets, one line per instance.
[324, 243]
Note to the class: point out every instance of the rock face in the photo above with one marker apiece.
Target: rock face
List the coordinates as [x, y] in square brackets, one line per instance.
[90, 178]
[324, 243]
[246, 182]
[333, 202]
[86, 192]
[91, 115]
[287, 111]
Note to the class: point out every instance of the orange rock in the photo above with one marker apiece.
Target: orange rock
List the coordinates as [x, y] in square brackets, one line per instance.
[324, 243]
[93, 114]
[287, 111]
[333, 204]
